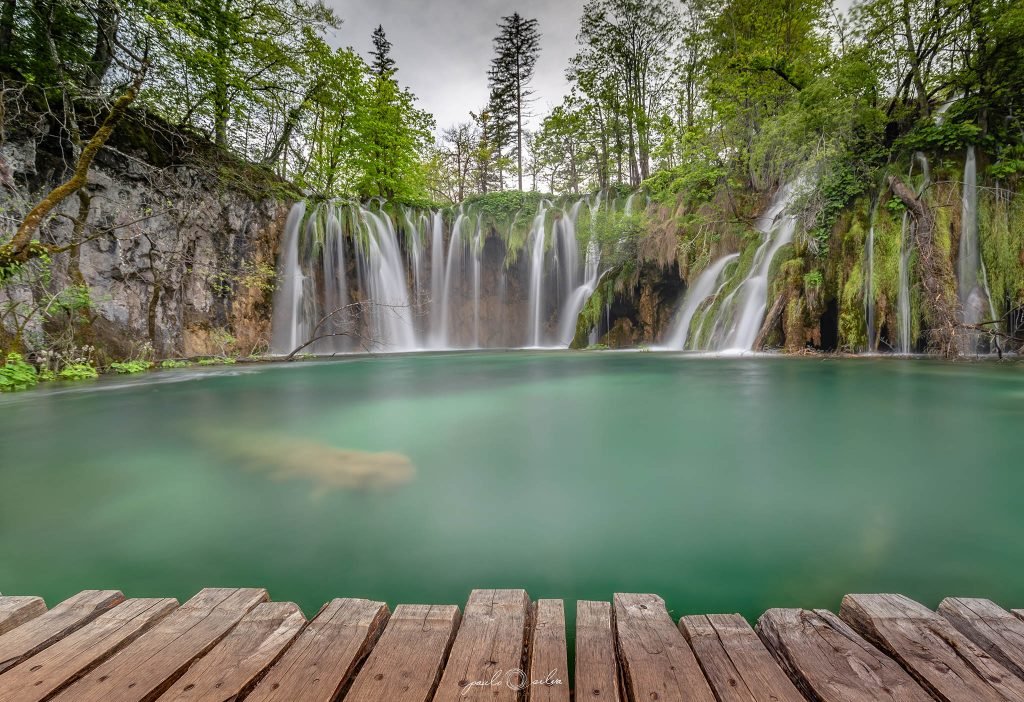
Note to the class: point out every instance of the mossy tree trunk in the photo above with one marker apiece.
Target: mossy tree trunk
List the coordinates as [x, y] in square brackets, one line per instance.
[942, 308]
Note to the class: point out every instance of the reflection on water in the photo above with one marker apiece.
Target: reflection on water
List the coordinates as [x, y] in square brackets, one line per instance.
[723, 484]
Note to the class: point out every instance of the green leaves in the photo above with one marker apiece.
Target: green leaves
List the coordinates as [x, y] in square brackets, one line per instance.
[16, 374]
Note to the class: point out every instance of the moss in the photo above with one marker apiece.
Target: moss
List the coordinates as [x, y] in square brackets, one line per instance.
[1001, 231]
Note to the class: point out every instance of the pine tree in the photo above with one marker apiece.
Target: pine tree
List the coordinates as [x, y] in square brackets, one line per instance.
[517, 47]
[383, 65]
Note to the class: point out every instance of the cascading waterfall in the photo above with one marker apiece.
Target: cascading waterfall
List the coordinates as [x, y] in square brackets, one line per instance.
[974, 300]
[537, 237]
[703, 287]
[400, 279]
[740, 316]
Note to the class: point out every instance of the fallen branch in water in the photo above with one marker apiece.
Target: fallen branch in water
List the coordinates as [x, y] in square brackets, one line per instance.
[365, 343]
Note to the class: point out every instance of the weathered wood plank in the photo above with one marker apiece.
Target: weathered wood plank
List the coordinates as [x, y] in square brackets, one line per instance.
[830, 662]
[59, 665]
[990, 626]
[942, 659]
[15, 611]
[238, 661]
[657, 663]
[321, 661]
[488, 650]
[736, 663]
[548, 673]
[146, 667]
[406, 663]
[597, 669]
[42, 631]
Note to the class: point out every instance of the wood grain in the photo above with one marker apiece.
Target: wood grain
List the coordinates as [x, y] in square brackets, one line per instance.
[321, 662]
[548, 672]
[65, 661]
[998, 632]
[149, 665]
[942, 659]
[43, 630]
[735, 662]
[597, 668]
[657, 663]
[15, 611]
[406, 663]
[829, 662]
[489, 648]
[235, 664]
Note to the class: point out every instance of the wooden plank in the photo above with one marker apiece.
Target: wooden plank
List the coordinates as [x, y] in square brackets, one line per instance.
[234, 665]
[942, 659]
[321, 661]
[657, 663]
[406, 663]
[15, 611]
[990, 626]
[146, 667]
[597, 669]
[548, 674]
[830, 662]
[736, 663]
[71, 614]
[59, 665]
[488, 651]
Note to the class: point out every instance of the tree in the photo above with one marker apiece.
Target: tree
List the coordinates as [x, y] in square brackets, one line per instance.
[383, 65]
[625, 64]
[517, 47]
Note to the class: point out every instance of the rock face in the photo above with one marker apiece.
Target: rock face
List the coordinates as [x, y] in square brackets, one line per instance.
[177, 254]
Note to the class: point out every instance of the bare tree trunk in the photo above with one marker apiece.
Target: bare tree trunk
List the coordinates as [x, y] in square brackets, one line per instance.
[942, 307]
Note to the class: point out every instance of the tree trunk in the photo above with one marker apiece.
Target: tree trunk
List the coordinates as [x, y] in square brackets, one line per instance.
[941, 305]
[107, 19]
[7, 29]
[20, 249]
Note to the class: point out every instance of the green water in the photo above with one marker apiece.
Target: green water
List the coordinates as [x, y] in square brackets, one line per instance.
[721, 484]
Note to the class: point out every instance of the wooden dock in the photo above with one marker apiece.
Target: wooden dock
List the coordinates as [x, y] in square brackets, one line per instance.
[233, 644]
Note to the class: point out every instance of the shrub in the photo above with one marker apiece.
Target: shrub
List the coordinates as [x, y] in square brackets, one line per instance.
[174, 363]
[16, 374]
[130, 367]
[77, 371]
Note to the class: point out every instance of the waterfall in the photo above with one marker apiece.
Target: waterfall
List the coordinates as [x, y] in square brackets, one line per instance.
[973, 298]
[693, 298]
[335, 288]
[578, 298]
[536, 299]
[436, 275]
[869, 282]
[477, 255]
[906, 250]
[287, 324]
[741, 315]
[387, 295]
[456, 250]
[409, 279]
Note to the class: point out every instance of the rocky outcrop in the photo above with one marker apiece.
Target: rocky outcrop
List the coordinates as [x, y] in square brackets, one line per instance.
[178, 248]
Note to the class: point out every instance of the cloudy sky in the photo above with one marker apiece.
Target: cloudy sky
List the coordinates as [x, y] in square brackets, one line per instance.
[443, 48]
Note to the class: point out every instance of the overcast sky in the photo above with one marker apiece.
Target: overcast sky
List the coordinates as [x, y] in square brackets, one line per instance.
[443, 48]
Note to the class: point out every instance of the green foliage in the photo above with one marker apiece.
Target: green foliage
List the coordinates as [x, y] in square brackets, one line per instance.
[16, 374]
[174, 363]
[216, 361]
[77, 371]
[813, 279]
[130, 367]
[931, 137]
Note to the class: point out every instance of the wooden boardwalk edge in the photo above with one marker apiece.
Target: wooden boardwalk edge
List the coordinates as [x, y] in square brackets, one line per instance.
[235, 644]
